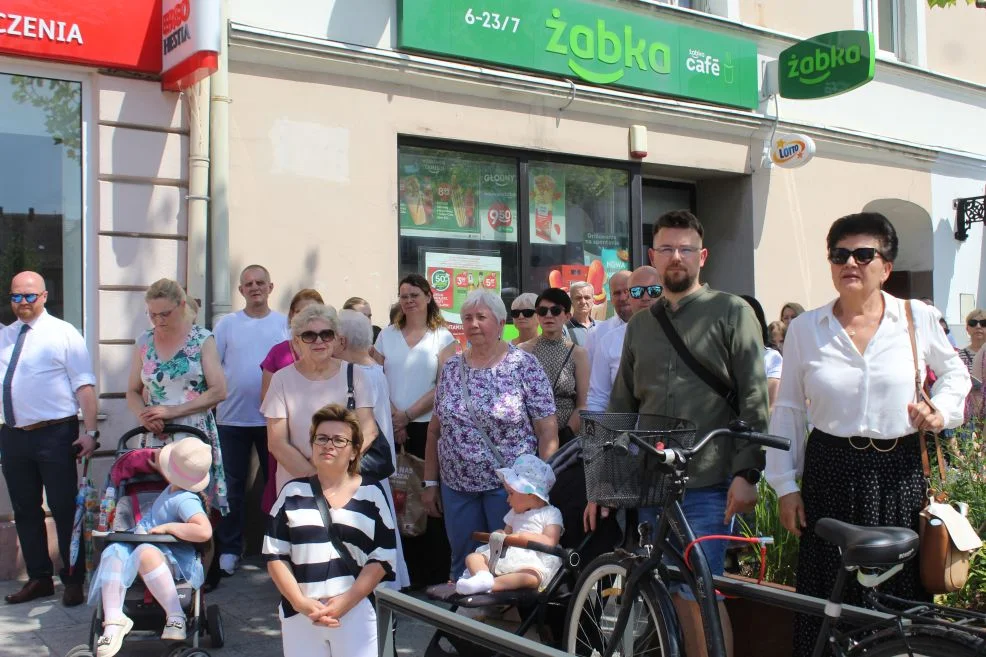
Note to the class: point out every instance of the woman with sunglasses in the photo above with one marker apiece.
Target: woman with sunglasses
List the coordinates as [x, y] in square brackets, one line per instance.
[975, 409]
[176, 376]
[524, 316]
[849, 373]
[565, 363]
[317, 378]
[326, 571]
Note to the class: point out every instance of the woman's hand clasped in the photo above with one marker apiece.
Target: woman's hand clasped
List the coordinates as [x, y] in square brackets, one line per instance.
[330, 613]
[925, 418]
[153, 418]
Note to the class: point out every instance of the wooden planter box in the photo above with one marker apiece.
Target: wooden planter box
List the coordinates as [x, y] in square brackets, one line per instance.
[760, 630]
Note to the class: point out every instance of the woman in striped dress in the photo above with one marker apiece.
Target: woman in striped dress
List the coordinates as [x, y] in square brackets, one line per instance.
[325, 607]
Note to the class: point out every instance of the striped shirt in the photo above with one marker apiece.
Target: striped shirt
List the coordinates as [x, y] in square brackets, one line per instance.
[297, 535]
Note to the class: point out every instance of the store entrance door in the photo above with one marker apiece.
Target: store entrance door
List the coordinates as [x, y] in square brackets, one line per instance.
[658, 197]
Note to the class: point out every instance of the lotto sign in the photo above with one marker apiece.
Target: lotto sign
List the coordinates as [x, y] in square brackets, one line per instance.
[792, 151]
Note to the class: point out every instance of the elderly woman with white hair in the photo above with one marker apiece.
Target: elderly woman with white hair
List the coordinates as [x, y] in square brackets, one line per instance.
[297, 391]
[524, 316]
[354, 339]
[493, 403]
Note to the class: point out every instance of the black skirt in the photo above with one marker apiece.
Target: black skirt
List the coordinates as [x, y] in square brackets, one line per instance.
[863, 487]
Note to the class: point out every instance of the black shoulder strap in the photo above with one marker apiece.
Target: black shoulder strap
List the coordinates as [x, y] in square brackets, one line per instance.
[564, 363]
[350, 393]
[323, 509]
[702, 372]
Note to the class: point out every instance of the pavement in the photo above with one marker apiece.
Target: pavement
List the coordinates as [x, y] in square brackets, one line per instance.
[248, 602]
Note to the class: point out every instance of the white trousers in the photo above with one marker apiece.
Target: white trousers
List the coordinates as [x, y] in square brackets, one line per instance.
[355, 637]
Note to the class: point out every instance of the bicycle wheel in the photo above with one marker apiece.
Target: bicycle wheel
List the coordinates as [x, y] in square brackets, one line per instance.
[596, 604]
[929, 641]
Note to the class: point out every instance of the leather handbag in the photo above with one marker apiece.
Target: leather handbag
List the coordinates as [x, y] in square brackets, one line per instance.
[377, 463]
[948, 541]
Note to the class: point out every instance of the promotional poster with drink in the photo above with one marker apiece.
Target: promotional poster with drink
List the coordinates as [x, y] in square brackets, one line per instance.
[453, 276]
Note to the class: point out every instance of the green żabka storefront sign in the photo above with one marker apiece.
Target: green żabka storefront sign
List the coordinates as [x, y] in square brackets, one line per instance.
[599, 44]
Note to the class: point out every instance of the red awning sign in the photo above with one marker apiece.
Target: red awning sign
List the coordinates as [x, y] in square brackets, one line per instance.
[190, 41]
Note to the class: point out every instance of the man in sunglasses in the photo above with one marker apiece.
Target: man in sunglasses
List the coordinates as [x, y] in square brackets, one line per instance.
[644, 289]
[243, 339]
[47, 378]
[715, 377]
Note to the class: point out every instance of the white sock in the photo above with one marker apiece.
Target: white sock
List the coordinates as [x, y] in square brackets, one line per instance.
[112, 592]
[161, 584]
[481, 582]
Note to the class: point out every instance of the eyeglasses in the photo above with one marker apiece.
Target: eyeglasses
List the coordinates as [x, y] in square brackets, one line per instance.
[161, 315]
[336, 441]
[554, 310]
[309, 337]
[526, 312]
[863, 255]
[653, 291]
[972, 323]
[30, 298]
[668, 251]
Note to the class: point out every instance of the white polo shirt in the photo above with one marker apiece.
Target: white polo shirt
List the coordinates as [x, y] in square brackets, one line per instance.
[53, 364]
[243, 343]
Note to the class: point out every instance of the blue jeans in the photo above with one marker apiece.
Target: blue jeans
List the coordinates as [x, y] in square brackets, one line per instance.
[704, 509]
[466, 513]
[237, 443]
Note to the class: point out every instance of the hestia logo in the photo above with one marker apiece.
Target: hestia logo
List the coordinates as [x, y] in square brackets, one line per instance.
[599, 45]
[440, 280]
[840, 60]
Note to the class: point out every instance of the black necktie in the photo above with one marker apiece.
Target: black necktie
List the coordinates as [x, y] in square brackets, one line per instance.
[8, 379]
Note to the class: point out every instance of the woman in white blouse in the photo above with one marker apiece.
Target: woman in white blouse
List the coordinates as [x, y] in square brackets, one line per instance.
[408, 349]
[849, 373]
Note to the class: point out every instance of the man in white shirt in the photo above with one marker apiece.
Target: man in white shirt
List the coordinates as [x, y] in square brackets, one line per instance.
[47, 377]
[644, 289]
[581, 324]
[619, 294]
[243, 339]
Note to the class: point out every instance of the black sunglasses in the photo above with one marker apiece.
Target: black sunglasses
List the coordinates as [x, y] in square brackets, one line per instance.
[554, 310]
[972, 323]
[526, 312]
[30, 298]
[863, 255]
[309, 337]
[653, 291]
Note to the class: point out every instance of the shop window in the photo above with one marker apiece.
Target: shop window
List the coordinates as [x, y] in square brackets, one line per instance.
[579, 226]
[41, 189]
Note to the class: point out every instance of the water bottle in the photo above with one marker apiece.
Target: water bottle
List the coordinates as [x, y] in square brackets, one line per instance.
[106, 509]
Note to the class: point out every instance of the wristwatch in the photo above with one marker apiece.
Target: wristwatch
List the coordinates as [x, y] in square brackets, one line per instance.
[429, 483]
[752, 475]
[93, 433]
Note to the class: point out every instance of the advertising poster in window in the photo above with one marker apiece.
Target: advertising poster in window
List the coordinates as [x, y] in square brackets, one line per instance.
[547, 191]
[610, 253]
[457, 197]
[453, 276]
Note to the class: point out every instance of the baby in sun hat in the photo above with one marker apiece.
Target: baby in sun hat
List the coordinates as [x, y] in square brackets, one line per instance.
[531, 516]
[178, 510]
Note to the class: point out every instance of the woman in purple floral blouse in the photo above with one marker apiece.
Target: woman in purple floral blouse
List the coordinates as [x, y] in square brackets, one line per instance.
[509, 399]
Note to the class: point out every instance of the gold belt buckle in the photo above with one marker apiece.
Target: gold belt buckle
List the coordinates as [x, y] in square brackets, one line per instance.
[870, 443]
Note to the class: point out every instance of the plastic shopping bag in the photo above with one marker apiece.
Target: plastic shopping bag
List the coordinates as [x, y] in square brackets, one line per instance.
[412, 518]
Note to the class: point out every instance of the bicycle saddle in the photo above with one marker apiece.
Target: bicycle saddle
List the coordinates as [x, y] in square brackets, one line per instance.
[868, 547]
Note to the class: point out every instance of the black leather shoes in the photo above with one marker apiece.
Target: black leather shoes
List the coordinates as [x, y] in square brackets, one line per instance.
[73, 596]
[35, 588]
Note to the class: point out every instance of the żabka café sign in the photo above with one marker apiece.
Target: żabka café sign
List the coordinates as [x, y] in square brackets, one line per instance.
[176, 39]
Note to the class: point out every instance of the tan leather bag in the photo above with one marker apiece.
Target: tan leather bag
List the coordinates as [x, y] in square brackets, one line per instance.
[948, 541]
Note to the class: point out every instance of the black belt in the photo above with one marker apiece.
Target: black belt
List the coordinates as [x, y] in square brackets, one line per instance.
[47, 423]
[861, 443]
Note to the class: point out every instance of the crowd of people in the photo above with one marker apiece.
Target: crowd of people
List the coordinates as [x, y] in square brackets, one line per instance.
[311, 392]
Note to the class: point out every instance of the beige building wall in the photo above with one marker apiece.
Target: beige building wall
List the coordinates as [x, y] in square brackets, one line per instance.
[802, 18]
[955, 41]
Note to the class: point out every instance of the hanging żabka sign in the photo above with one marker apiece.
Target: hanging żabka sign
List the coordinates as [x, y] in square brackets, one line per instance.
[826, 65]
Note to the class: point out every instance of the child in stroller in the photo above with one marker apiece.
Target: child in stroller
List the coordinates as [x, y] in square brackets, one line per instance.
[177, 511]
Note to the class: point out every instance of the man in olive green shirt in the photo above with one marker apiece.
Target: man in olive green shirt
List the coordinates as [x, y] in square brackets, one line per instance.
[723, 334]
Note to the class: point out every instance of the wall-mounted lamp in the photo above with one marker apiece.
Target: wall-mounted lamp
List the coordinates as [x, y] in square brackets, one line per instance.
[967, 212]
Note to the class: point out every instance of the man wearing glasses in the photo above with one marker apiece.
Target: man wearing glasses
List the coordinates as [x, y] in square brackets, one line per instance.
[644, 290]
[724, 340]
[47, 378]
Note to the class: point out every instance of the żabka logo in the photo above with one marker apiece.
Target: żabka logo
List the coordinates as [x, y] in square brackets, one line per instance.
[601, 45]
[822, 63]
[174, 25]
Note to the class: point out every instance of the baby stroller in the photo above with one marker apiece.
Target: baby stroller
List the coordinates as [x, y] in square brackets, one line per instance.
[543, 611]
[137, 485]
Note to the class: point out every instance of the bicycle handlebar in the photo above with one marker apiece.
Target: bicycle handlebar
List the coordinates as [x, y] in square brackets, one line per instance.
[670, 455]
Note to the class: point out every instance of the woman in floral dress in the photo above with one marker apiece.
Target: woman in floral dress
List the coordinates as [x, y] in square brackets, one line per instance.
[176, 376]
[509, 400]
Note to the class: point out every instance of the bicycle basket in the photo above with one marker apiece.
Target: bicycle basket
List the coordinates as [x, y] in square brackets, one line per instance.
[630, 478]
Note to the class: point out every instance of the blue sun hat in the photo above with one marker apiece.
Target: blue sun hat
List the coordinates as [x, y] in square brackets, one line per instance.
[530, 475]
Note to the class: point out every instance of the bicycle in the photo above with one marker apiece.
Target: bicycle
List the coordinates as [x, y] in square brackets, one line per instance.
[634, 461]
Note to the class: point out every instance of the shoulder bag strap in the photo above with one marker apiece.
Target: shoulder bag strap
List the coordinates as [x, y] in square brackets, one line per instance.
[350, 393]
[921, 395]
[702, 372]
[340, 547]
[564, 363]
[497, 456]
